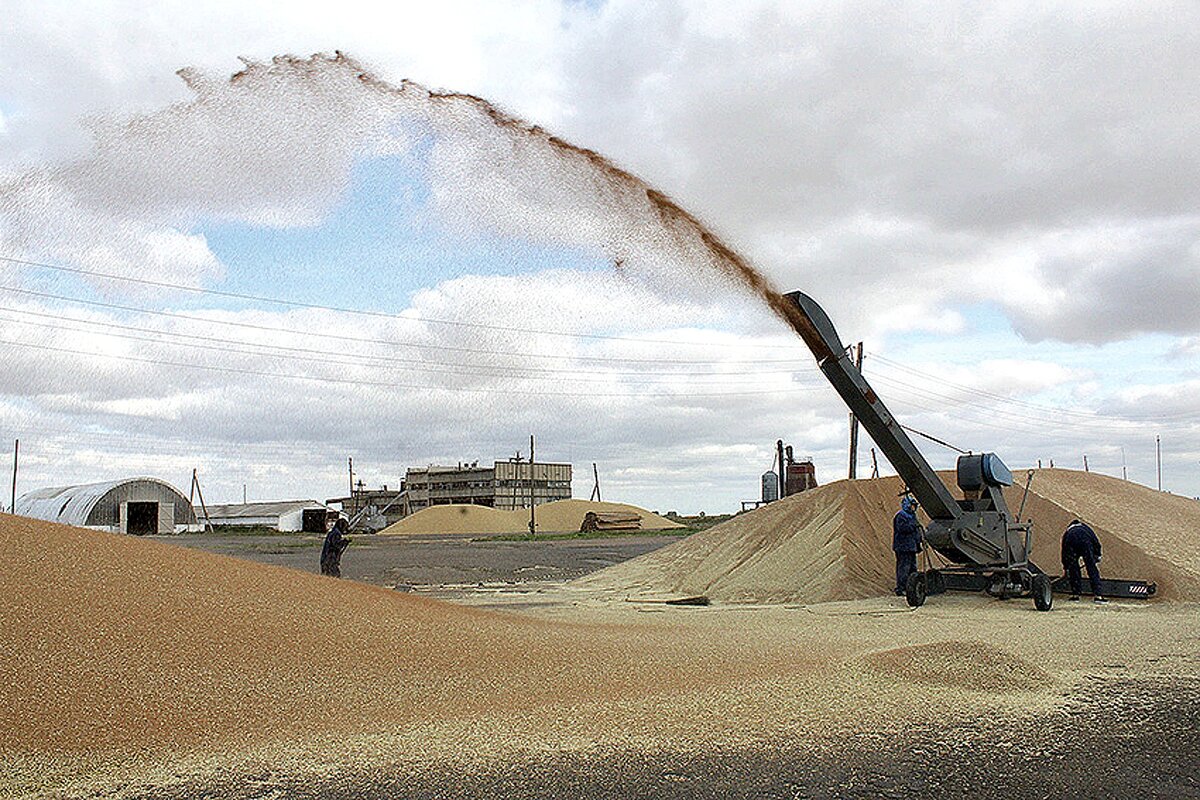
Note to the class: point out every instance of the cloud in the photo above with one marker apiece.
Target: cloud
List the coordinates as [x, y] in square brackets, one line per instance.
[1110, 282]
[883, 146]
[903, 166]
[272, 146]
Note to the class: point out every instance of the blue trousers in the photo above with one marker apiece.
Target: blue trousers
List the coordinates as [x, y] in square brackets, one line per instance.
[1071, 565]
[906, 564]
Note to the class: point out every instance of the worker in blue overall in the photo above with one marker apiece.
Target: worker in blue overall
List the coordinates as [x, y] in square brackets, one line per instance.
[331, 552]
[906, 541]
[1079, 541]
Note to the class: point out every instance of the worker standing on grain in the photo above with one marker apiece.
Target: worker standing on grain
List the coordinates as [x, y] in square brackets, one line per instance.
[335, 543]
[1080, 541]
[906, 541]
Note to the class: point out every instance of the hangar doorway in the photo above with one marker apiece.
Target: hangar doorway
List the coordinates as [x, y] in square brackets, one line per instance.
[141, 519]
[313, 520]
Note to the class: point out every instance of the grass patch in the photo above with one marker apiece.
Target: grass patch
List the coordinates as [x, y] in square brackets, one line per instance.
[248, 530]
[553, 537]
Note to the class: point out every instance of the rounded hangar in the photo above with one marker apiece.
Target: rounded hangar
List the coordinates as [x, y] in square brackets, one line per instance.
[133, 505]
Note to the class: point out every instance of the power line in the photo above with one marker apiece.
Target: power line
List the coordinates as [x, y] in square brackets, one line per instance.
[1091, 415]
[358, 359]
[366, 340]
[382, 384]
[342, 309]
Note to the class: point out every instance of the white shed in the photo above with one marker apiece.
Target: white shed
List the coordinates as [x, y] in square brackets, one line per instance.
[285, 515]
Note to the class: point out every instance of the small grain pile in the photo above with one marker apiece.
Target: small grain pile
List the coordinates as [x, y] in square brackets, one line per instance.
[834, 542]
[561, 516]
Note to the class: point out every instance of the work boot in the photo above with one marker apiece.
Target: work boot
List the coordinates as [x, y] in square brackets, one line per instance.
[1073, 597]
[1099, 599]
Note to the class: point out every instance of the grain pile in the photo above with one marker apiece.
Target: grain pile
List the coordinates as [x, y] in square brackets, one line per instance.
[558, 517]
[834, 542]
[113, 642]
[131, 664]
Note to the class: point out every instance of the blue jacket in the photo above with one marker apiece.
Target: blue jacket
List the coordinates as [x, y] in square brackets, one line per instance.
[1079, 541]
[906, 533]
[335, 543]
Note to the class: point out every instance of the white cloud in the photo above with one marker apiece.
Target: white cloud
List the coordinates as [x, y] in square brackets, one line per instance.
[901, 165]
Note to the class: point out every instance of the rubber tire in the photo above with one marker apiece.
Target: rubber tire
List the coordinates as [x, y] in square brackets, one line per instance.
[914, 590]
[1043, 593]
[935, 582]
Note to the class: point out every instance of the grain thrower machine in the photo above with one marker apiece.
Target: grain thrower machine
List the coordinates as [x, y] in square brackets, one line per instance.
[988, 546]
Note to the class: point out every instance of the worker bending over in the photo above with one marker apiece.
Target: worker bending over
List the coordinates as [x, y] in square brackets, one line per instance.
[1080, 541]
[906, 541]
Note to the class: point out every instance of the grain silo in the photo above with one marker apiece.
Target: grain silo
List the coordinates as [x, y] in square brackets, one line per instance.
[133, 505]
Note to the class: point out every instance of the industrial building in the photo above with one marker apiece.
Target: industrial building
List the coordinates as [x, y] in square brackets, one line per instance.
[133, 505]
[307, 516]
[506, 485]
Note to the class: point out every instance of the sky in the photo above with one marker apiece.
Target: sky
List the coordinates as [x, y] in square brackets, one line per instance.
[225, 247]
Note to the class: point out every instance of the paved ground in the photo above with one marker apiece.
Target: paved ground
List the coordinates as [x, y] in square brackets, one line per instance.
[444, 566]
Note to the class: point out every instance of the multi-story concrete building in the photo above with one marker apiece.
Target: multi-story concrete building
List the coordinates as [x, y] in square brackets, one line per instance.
[505, 485]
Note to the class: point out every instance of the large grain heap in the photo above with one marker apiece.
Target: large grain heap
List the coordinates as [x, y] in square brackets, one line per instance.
[834, 542]
[559, 516]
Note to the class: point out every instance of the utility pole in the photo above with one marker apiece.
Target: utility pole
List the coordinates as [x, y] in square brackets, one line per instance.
[16, 449]
[1124, 476]
[779, 458]
[874, 465]
[1158, 458]
[596, 488]
[197, 492]
[1085, 466]
[858, 357]
[243, 494]
[532, 504]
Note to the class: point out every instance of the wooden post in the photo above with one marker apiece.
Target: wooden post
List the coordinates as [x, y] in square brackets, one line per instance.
[16, 450]
[198, 493]
[532, 502]
[853, 472]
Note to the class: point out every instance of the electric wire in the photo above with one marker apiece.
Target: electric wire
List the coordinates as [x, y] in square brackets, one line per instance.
[363, 359]
[1091, 415]
[340, 309]
[369, 340]
[508, 391]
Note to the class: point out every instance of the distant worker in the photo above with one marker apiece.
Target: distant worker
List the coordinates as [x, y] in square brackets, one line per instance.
[1080, 541]
[335, 543]
[906, 541]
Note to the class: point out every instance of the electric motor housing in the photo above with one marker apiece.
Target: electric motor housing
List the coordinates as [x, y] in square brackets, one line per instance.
[983, 469]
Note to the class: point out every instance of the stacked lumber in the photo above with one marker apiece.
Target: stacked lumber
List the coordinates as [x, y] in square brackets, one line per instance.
[610, 521]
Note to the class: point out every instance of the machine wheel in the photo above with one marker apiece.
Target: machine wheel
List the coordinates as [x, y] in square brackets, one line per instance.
[935, 581]
[914, 591]
[1043, 594]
